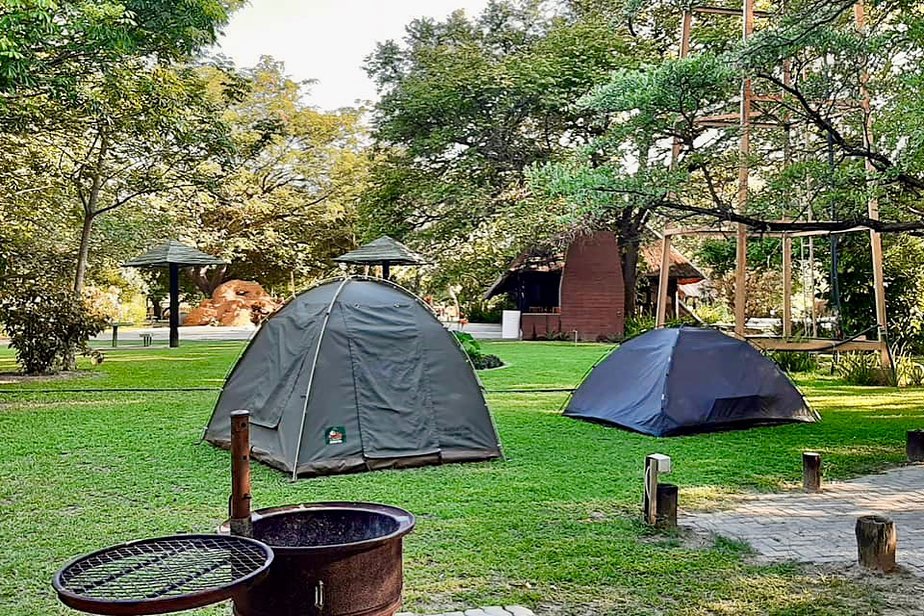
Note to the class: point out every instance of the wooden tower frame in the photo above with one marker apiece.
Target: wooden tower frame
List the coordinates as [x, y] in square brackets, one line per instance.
[744, 121]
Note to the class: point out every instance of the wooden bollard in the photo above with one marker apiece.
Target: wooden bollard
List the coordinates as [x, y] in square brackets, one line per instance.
[876, 542]
[666, 516]
[915, 446]
[240, 474]
[811, 471]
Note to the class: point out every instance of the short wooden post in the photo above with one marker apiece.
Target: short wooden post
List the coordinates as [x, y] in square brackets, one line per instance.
[876, 542]
[666, 507]
[240, 474]
[915, 446]
[811, 471]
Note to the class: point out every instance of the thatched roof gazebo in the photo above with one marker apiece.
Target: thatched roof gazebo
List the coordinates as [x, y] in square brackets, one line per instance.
[173, 255]
[385, 252]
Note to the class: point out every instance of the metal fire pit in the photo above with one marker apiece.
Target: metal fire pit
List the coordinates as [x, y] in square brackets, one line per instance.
[331, 559]
[157, 576]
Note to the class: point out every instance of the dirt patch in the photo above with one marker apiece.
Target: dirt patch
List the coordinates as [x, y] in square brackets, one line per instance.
[16, 378]
[899, 592]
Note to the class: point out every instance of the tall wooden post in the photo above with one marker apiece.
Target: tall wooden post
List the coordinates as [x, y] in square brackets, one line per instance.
[744, 151]
[787, 286]
[787, 240]
[872, 204]
[241, 523]
[661, 314]
[174, 305]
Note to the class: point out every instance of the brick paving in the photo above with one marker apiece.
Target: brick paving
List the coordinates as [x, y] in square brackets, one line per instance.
[819, 527]
[491, 610]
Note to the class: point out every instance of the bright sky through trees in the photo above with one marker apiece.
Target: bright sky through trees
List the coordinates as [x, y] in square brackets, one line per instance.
[327, 40]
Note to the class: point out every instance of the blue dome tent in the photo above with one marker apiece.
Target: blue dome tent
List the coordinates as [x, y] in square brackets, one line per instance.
[677, 381]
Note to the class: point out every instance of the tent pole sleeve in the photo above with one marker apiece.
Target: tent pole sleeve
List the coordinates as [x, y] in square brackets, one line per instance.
[314, 366]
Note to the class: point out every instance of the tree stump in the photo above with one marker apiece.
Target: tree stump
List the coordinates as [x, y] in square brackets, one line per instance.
[915, 446]
[666, 508]
[811, 471]
[876, 542]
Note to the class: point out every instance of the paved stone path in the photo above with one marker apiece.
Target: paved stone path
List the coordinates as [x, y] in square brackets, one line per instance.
[491, 610]
[819, 527]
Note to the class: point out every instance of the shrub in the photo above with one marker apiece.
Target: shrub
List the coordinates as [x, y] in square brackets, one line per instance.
[481, 311]
[556, 337]
[790, 361]
[486, 361]
[48, 328]
[480, 360]
[910, 372]
[714, 313]
[863, 369]
[636, 326]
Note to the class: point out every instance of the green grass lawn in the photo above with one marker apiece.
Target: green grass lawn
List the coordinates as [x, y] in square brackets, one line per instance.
[556, 525]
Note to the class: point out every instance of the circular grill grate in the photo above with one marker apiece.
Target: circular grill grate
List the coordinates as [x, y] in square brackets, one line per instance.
[161, 575]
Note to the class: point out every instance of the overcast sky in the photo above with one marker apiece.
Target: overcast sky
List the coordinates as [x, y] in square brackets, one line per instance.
[327, 40]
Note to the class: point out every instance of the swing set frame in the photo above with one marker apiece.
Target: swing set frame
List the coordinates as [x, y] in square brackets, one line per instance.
[743, 122]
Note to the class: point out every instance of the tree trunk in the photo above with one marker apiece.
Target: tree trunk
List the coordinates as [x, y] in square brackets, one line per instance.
[90, 212]
[83, 254]
[157, 308]
[629, 236]
[630, 276]
[207, 281]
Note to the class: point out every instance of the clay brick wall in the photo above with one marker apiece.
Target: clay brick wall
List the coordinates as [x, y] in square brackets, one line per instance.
[535, 326]
[592, 288]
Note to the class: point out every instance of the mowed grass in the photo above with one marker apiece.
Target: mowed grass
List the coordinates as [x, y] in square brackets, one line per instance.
[555, 527]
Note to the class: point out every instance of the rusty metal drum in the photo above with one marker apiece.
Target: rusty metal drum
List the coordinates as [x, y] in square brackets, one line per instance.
[331, 559]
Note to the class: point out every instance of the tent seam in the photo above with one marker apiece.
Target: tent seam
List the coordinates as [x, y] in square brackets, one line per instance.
[667, 373]
[314, 365]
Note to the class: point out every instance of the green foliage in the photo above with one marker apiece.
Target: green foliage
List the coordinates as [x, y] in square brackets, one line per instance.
[480, 360]
[863, 369]
[285, 204]
[467, 106]
[717, 312]
[903, 265]
[910, 372]
[486, 361]
[719, 255]
[481, 311]
[794, 362]
[50, 46]
[469, 343]
[638, 325]
[47, 327]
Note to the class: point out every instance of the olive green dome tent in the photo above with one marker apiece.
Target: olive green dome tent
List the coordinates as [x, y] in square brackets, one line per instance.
[356, 374]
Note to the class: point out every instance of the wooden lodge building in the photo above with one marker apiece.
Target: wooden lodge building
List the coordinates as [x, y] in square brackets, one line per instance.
[581, 289]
